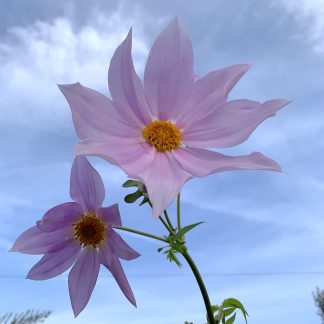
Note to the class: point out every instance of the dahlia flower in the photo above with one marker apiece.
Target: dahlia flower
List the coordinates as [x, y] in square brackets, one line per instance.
[159, 132]
[79, 233]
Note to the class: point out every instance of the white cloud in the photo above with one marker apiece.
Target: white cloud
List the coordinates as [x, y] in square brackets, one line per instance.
[37, 57]
[310, 14]
[293, 200]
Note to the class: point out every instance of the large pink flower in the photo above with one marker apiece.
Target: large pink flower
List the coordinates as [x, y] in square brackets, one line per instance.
[79, 234]
[159, 133]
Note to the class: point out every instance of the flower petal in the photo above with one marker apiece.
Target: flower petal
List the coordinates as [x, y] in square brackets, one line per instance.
[168, 76]
[54, 264]
[232, 124]
[60, 216]
[120, 248]
[34, 241]
[82, 278]
[86, 186]
[117, 271]
[126, 87]
[110, 215]
[163, 180]
[93, 114]
[105, 253]
[131, 156]
[209, 93]
[200, 162]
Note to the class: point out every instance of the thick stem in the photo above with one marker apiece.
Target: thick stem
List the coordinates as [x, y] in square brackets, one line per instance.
[160, 238]
[201, 285]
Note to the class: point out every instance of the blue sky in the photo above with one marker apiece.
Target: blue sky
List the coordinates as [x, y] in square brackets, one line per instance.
[263, 237]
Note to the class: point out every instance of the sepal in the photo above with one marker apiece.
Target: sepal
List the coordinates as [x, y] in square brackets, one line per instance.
[140, 192]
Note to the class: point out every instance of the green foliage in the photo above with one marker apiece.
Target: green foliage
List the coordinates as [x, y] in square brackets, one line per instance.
[171, 250]
[133, 197]
[183, 231]
[27, 317]
[226, 312]
[130, 183]
[176, 244]
[140, 192]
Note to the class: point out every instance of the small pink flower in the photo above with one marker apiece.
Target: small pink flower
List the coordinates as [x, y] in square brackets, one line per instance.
[80, 234]
[159, 133]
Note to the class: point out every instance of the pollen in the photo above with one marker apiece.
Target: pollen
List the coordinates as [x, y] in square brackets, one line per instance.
[90, 230]
[163, 135]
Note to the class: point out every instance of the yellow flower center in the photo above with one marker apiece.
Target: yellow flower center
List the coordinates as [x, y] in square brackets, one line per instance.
[163, 135]
[89, 230]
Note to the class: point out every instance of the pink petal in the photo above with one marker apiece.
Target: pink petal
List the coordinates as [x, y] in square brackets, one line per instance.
[117, 271]
[82, 278]
[110, 215]
[93, 114]
[60, 216]
[232, 124]
[54, 264]
[131, 156]
[209, 94]
[125, 86]
[34, 241]
[86, 186]
[163, 181]
[168, 76]
[120, 248]
[200, 162]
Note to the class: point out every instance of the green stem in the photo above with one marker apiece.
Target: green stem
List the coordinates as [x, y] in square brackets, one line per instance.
[168, 220]
[163, 221]
[160, 238]
[178, 213]
[166, 225]
[201, 285]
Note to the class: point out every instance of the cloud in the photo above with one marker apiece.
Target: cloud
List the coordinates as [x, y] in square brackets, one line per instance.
[35, 58]
[282, 199]
[310, 14]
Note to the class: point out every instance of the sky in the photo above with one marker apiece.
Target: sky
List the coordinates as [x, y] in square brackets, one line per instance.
[263, 237]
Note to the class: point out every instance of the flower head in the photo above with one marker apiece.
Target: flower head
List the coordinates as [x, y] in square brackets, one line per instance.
[79, 234]
[159, 132]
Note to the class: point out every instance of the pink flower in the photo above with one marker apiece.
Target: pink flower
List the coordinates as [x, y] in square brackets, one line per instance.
[80, 234]
[159, 133]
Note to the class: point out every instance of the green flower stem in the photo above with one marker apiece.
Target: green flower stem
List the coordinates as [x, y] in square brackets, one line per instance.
[160, 238]
[166, 225]
[178, 213]
[201, 285]
[195, 271]
[168, 220]
[163, 221]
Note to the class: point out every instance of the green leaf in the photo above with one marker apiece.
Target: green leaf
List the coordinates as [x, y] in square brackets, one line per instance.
[178, 246]
[130, 183]
[229, 311]
[172, 257]
[230, 302]
[214, 308]
[231, 319]
[144, 201]
[133, 197]
[184, 230]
